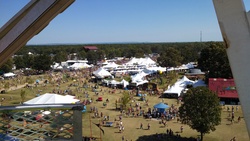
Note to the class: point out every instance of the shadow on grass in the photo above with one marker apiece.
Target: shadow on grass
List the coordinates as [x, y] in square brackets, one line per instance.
[164, 137]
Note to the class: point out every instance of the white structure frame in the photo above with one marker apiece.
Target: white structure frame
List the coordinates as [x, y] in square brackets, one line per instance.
[234, 24]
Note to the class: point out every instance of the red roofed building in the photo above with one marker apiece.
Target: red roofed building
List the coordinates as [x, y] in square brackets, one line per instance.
[225, 88]
[88, 48]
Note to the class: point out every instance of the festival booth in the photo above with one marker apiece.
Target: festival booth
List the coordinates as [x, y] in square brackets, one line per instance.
[138, 79]
[77, 66]
[176, 90]
[161, 107]
[173, 92]
[101, 73]
[113, 83]
[110, 66]
[184, 82]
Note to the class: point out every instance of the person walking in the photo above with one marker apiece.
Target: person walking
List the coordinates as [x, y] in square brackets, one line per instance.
[141, 126]
[182, 129]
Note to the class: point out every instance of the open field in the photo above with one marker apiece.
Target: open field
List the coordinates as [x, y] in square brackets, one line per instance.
[223, 132]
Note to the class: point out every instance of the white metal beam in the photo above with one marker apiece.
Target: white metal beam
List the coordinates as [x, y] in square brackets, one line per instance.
[28, 22]
[234, 24]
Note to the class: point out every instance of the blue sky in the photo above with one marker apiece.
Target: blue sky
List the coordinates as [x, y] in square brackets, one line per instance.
[105, 21]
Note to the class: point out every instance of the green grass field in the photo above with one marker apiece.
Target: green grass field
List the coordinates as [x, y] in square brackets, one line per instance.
[223, 132]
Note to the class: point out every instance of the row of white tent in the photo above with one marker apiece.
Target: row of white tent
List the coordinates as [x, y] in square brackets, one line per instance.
[141, 61]
[75, 66]
[181, 85]
[124, 83]
[134, 62]
[138, 78]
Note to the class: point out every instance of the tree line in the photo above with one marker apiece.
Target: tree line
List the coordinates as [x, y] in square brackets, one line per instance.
[211, 56]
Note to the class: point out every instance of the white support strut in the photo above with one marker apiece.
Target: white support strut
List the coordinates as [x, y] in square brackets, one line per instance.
[28, 22]
[234, 24]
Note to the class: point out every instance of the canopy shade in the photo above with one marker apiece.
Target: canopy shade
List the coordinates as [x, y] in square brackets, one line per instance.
[161, 106]
[52, 99]
[101, 73]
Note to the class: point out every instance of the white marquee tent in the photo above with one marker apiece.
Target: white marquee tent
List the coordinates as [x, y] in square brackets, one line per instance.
[101, 73]
[141, 61]
[111, 65]
[174, 90]
[184, 81]
[77, 66]
[49, 98]
[178, 87]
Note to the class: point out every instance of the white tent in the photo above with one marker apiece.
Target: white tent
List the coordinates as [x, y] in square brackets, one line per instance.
[124, 83]
[101, 73]
[139, 76]
[77, 66]
[141, 61]
[49, 98]
[175, 89]
[111, 65]
[148, 61]
[9, 74]
[114, 82]
[184, 82]
[178, 87]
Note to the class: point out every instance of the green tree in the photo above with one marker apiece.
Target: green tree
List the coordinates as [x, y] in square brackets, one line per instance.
[28, 60]
[7, 66]
[214, 60]
[125, 100]
[92, 57]
[201, 110]
[60, 57]
[19, 62]
[170, 58]
[82, 54]
[42, 62]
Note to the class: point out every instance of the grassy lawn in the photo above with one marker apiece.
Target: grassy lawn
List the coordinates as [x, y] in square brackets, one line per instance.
[223, 132]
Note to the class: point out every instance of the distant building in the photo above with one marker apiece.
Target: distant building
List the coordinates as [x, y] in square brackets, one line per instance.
[225, 89]
[90, 48]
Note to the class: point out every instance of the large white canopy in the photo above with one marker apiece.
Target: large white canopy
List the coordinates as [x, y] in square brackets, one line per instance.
[179, 86]
[141, 61]
[77, 66]
[49, 98]
[175, 89]
[111, 65]
[138, 77]
[184, 81]
[101, 73]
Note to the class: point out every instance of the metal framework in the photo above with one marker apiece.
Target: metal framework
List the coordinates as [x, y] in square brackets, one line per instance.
[41, 122]
[234, 24]
[28, 22]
